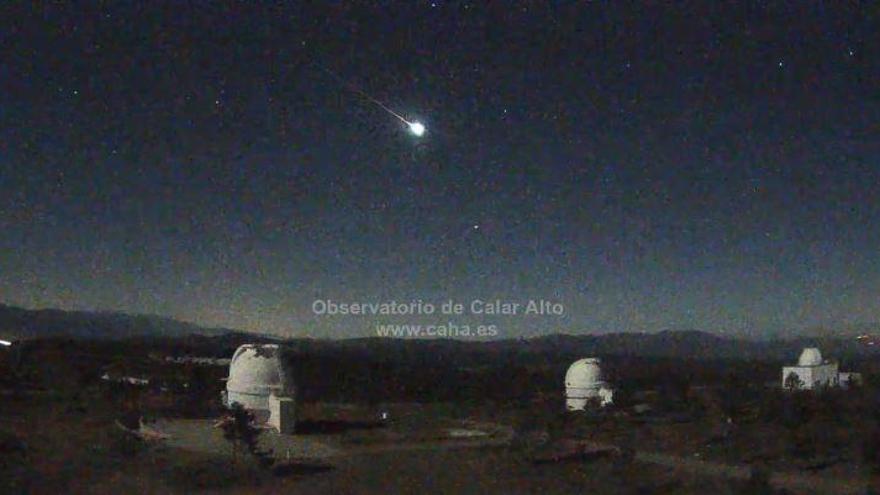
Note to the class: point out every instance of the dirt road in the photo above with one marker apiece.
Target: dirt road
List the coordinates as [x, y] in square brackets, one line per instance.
[796, 482]
[200, 435]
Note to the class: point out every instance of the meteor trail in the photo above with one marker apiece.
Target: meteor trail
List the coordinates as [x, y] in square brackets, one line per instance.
[415, 127]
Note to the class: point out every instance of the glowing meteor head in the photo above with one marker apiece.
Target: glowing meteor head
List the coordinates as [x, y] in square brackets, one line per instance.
[417, 128]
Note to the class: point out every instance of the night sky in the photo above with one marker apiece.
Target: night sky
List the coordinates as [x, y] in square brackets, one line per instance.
[697, 166]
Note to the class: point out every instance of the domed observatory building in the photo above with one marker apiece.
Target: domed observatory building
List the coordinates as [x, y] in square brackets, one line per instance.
[261, 382]
[813, 372]
[584, 384]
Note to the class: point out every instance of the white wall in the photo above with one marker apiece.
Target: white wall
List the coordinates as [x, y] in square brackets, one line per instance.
[577, 398]
[825, 375]
[813, 377]
[846, 378]
[282, 413]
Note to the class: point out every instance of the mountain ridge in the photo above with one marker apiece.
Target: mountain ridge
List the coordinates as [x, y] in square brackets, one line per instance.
[20, 323]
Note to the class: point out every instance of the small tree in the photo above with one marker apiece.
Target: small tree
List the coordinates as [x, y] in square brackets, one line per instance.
[793, 382]
[239, 430]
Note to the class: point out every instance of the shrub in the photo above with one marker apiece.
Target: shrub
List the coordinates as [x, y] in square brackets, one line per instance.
[239, 430]
[758, 483]
[871, 450]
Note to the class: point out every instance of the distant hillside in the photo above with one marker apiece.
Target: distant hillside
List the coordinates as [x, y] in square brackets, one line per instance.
[676, 344]
[25, 323]
[704, 345]
[20, 323]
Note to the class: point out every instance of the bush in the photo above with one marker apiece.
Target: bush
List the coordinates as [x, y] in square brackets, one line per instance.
[803, 444]
[125, 445]
[239, 429]
[871, 450]
[758, 483]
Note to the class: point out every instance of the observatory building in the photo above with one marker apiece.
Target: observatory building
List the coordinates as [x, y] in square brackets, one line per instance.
[812, 372]
[261, 382]
[584, 384]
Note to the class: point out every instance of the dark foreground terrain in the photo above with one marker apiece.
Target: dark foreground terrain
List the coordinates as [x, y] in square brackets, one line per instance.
[459, 418]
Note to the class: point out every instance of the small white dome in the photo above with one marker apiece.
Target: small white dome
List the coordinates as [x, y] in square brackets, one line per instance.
[254, 373]
[810, 357]
[584, 383]
[584, 373]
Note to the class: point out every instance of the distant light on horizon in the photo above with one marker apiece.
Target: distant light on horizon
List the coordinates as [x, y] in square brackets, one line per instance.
[5, 343]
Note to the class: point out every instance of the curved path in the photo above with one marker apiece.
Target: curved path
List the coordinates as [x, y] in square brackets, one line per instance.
[796, 482]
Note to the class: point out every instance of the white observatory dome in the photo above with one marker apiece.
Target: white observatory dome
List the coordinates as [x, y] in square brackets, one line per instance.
[254, 373]
[810, 357]
[583, 382]
[583, 373]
